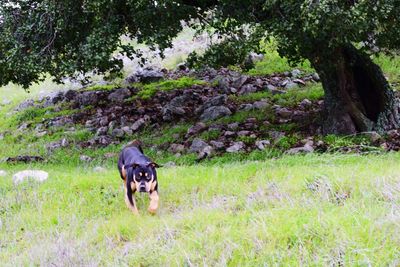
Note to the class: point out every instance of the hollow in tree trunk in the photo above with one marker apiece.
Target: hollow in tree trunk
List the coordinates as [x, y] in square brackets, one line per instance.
[358, 97]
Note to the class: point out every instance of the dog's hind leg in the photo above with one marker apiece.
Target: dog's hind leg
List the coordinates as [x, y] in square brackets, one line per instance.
[129, 199]
[153, 202]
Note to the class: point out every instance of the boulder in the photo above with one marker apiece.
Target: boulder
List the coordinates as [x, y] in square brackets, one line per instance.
[88, 98]
[284, 113]
[238, 82]
[213, 113]
[247, 89]
[197, 128]
[235, 147]
[295, 73]
[217, 144]
[176, 148]
[307, 148]
[147, 75]
[197, 145]
[35, 175]
[262, 144]
[212, 102]
[118, 133]
[137, 125]
[119, 95]
[260, 104]
[246, 107]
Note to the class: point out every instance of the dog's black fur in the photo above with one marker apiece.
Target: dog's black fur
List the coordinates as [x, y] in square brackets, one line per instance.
[139, 174]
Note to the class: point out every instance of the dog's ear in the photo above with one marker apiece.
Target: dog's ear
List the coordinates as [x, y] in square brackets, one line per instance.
[153, 165]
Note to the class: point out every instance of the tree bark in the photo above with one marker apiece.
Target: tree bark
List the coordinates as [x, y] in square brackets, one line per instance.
[358, 97]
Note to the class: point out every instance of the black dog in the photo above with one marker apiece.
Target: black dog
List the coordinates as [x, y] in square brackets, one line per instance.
[139, 174]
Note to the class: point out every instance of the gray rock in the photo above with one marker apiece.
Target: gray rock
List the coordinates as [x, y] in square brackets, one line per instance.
[85, 158]
[295, 73]
[305, 103]
[260, 104]
[299, 81]
[1, 136]
[291, 85]
[229, 134]
[127, 130]
[24, 105]
[316, 77]
[235, 147]
[3, 173]
[137, 125]
[262, 144]
[246, 107]
[277, 92]
[307, 148]
[270, 87]
[88, 98]
[233, 126]
[284, 113]
[205, 152]
[238, 82]
[243, 133]
[57, 144]
[118, 133]
[217, 144]
[176, 148]
[197, 145]
[373, 136]
[70, 95]
[213, 113]
[61, 122]
[119, 95]
[223, 83]
[147, 75]
[276, 136]
[197, 128]
[212, 102]
[247, 89]
[35, 175]
[175, 107]
[104, 121]
[101, 131]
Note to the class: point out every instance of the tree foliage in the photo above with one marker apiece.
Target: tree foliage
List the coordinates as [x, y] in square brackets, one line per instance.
[75, 37]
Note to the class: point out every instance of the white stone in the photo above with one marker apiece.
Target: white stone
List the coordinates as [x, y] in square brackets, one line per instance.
[3, 173]
[36, 175]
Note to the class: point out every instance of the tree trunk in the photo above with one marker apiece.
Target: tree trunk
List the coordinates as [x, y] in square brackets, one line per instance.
[358, 97]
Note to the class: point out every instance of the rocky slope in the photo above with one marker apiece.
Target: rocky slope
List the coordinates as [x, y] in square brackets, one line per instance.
[229, 112]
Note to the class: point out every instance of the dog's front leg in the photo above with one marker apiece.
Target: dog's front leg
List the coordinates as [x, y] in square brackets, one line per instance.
[129, 199]
[153, 202]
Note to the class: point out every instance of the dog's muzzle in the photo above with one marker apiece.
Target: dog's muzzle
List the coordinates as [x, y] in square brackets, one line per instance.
[142, 188]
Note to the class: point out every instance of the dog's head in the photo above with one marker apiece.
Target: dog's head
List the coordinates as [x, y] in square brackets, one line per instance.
[143, 177]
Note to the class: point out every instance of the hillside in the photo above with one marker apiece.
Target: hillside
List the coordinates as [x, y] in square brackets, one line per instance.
[248, 179]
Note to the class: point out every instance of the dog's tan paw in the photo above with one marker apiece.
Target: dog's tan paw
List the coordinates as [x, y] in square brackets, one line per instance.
[152, 210]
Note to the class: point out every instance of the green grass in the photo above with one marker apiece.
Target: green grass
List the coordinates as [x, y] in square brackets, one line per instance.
[294, 96]
[252, 97]
[297, 210]
[146, 91]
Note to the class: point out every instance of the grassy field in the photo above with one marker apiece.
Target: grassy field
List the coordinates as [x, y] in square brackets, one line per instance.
[258, 209]
[300, 210]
